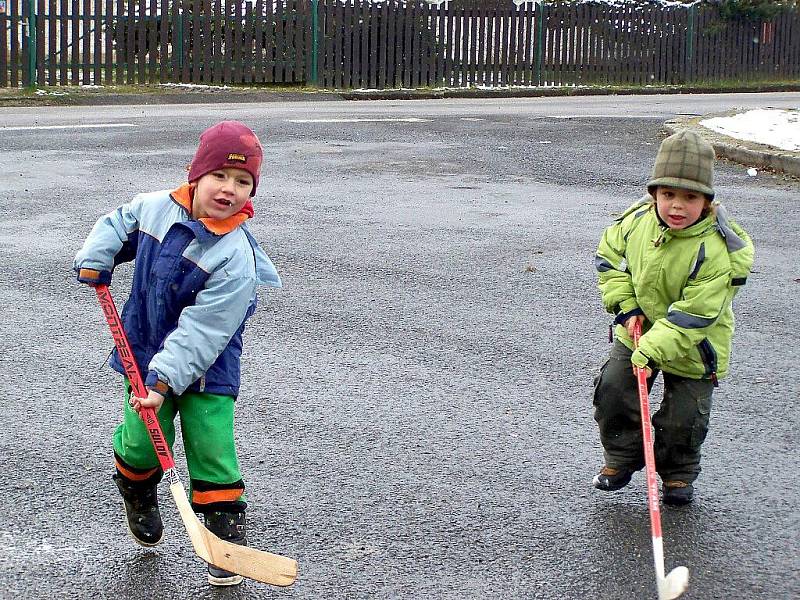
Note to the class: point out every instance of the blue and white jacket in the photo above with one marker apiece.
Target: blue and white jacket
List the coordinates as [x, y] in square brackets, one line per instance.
[194, 286]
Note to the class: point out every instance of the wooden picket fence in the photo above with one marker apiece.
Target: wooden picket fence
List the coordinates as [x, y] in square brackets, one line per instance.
[387, 43]
[83, 42]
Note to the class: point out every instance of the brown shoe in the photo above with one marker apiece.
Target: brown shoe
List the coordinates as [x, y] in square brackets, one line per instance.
[610, 479]
[677, 493]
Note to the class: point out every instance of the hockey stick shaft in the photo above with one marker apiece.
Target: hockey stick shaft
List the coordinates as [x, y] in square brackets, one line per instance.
[649, 456]
[138, 389]
[255, 564]
[675, 583]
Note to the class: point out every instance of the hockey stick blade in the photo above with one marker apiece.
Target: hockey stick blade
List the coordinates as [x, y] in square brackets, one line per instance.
[243, 560]
[674, 584]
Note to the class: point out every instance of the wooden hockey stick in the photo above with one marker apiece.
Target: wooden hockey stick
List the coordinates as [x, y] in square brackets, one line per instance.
[243, 560]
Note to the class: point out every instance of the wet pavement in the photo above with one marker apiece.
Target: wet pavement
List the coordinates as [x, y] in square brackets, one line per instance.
[415, 419]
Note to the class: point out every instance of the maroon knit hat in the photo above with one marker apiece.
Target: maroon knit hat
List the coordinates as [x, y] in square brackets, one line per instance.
[227, 144]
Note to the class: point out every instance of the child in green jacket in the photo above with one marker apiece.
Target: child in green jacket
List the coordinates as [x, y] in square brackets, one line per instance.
[673, 262]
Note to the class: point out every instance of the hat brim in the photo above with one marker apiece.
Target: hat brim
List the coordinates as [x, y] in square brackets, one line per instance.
[677, 182]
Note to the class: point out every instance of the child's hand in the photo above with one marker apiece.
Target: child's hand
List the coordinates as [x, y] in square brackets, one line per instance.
[153, 400]
[630, 322]
[648, 372]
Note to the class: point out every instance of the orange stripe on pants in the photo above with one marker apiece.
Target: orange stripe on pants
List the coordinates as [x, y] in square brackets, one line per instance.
[210, 496]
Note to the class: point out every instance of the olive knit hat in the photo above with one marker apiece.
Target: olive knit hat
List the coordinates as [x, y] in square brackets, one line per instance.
[227, 144]
[684, 160]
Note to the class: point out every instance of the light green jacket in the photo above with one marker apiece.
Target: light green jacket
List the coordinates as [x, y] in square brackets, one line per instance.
[683, 281]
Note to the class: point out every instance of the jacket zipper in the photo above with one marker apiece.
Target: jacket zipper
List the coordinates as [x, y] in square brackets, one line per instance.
[661, 238]
[709, 356]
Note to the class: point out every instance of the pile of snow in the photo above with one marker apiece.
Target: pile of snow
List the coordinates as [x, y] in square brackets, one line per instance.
[635, 3]
[770, 126]
[197, 86]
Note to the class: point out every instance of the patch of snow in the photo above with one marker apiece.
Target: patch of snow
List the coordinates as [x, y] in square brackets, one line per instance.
[21, 549]
[770, 126]
[608, 2]
[195, 86]
[635, 3]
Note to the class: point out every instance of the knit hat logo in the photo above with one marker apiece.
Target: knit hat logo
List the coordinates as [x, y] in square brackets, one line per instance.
[229, 144]
[684, 160]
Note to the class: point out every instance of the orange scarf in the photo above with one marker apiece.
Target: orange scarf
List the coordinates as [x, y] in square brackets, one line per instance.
[184, 196]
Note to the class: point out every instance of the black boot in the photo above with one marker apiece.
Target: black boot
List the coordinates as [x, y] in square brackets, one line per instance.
[141, 509]
[610, 479]
[231, 527]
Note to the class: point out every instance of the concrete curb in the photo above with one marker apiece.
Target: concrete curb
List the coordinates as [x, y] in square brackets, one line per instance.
[750, 154]
[149, 96]
[545, 92]
[155, 94]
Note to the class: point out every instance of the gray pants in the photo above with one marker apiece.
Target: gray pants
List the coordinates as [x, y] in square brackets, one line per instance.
[679, 426]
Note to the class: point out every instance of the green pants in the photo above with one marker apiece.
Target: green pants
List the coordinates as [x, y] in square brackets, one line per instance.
[207, 432]
[679, 426]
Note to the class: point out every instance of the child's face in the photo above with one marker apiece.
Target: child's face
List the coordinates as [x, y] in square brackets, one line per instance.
[221, 193]
[678, 207]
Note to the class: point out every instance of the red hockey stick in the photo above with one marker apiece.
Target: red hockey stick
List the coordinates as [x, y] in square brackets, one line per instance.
[674, 584]
[243, 560]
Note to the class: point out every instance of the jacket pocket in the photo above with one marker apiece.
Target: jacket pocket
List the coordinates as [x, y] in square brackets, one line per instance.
[700, 427]
[698, 392]
[596, 381]
[709, 357]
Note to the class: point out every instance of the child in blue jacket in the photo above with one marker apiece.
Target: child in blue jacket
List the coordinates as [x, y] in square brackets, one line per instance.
[196, 271]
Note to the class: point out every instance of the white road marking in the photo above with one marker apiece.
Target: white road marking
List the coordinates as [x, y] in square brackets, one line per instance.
[356, 120]
[590, 116]
[418, 120]
[92, 126]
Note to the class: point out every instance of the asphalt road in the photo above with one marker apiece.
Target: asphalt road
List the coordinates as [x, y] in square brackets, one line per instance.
[415, 420]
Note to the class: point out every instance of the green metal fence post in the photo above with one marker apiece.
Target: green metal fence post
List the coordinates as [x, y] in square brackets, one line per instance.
[315, 42]
[31, 43]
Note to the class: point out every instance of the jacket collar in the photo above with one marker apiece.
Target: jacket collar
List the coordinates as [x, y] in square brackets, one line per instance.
[184, 195]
